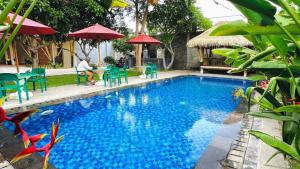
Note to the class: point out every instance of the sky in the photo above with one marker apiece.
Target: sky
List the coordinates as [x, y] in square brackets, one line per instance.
[224, 11]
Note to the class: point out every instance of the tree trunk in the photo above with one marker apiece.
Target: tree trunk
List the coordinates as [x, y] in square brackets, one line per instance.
[35, 60]
[136, 47]
[170, 49]
[140, 47]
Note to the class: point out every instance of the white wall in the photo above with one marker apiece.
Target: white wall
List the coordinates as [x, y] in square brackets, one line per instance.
[106, 50]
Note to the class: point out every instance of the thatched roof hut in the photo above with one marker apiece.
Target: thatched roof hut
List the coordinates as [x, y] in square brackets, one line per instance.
[205, 41]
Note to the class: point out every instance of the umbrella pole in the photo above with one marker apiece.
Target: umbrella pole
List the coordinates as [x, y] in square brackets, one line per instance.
[16, 56]
[99, 54]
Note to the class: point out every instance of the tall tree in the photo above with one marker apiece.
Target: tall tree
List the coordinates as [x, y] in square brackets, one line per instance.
[67, 16]
[173, 17]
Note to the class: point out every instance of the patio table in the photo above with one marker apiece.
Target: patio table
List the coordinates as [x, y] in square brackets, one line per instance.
[100, 71]
[23, 77]
[143, 75]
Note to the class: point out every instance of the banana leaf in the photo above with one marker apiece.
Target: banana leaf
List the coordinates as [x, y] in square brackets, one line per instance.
[277, 144]
[289, 129]
[279, 43]
[273, 116]
[257, 77]
[256, 57]
[243, 28]
[289, 108]
[268, 96]
[297, 141]
[8, 8]
[263, 8]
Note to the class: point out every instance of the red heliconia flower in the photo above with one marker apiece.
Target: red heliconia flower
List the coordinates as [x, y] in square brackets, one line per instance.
[25, 153]
[22, 116]
[46, 149]
[31, 140]
[264, 84]
[3, 116]
[36, 138]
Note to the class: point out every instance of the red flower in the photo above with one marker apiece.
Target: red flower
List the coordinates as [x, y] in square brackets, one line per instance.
[31, 140]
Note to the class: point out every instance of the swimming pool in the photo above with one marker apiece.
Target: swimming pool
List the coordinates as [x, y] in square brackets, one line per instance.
[166, 124]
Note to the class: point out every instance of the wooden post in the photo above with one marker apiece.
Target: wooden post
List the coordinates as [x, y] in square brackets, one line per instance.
[245, 74]
[201, 56]
[11, 53]
[99, 54]
[16, 56]
[138, 58]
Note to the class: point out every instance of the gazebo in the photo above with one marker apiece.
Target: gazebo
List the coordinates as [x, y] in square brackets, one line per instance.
[205, 44]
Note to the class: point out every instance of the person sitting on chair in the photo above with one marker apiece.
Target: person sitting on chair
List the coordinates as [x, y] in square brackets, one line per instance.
[84, 66]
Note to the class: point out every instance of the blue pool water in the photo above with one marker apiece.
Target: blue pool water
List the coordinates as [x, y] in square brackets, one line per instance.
[165, 124]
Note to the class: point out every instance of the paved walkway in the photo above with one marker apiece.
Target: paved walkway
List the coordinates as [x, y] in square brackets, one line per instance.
[49, 72]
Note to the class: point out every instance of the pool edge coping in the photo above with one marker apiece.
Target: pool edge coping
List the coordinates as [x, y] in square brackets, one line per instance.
[54, 101]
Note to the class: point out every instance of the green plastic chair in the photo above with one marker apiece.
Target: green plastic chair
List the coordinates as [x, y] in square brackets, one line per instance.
[151, 70]
[81, 74]
[112, 75]
[41, 78]
[123, 73]
[12, 82]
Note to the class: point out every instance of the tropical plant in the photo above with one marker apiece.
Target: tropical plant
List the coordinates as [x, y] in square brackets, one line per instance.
[121, 46]
[6, 23]
[6, 26]
[275, 57]
[70, 16]
[30, 141]
[110, 60]
[174, 17]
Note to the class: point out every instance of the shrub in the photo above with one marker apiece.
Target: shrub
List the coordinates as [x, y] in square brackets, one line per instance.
[110, 60]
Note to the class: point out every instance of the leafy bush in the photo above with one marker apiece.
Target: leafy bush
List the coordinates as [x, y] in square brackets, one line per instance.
[110, 60]
[121, 46]
[275, 58]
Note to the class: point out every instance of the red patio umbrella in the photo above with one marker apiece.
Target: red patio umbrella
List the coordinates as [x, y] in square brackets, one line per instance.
[96, 32]
[30, 27]
[144, 39]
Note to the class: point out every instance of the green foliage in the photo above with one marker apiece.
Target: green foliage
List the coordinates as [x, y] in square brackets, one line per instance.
[6, 25]
[121, 46]
[69, 16]
[173, 17]
[110, 60]
[277, 144]
[275, 36]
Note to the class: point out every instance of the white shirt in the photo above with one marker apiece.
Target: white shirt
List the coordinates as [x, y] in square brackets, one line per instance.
[83, 66]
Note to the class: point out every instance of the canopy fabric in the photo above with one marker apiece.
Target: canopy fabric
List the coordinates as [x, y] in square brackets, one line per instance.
[119, 4]
[96, 32]
[31, 27]
[204, 40]
[144, 39]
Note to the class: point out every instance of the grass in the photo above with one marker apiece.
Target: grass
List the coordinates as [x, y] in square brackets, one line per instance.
[69, 79]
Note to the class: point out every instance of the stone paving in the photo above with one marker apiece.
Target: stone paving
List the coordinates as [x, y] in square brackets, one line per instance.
[248, 152]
